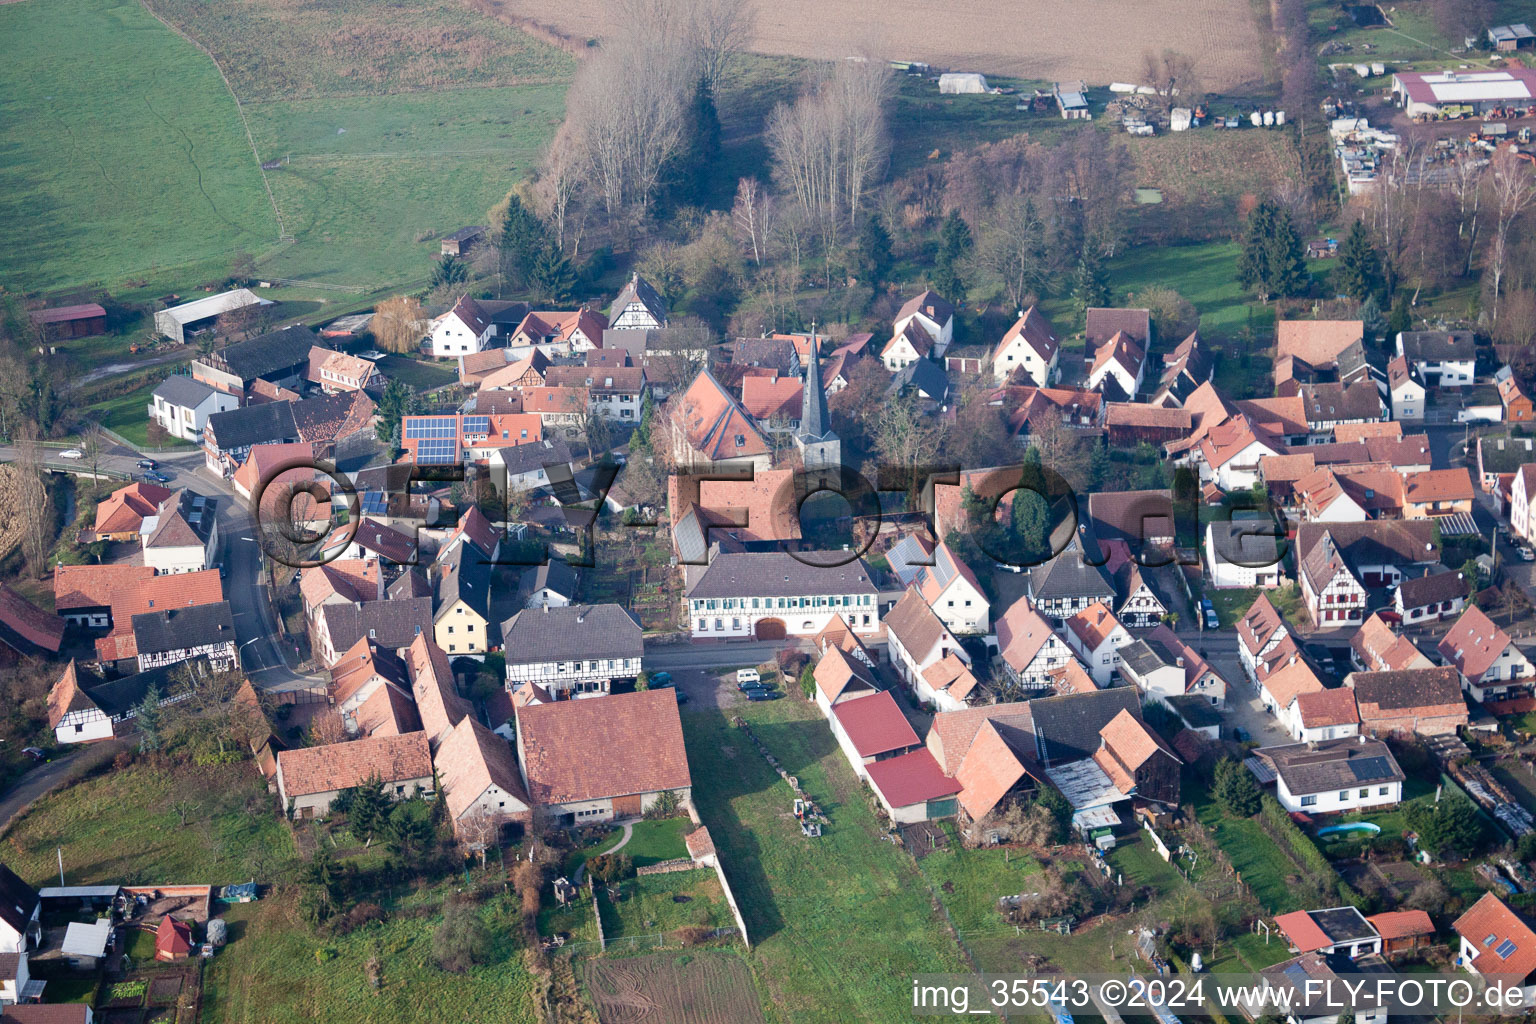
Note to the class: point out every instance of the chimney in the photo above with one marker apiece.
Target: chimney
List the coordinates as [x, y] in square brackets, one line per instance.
[544, 607]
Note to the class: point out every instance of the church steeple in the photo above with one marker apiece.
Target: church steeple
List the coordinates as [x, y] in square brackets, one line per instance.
[818, 444]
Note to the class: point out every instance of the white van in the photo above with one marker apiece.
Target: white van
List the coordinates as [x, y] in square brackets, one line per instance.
[745, 676]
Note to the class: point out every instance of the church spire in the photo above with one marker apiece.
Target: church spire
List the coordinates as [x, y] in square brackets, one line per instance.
[815, 425]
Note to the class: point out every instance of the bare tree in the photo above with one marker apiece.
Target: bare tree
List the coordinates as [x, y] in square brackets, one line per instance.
[327, 727]
[34, 501]
[1513, 183]
[627, 108]
[905, 439]
[398, 324]
[1172, 75]
[559, 186]
[477, 832]
[831, 146]
[93, 445]
[719, 30]
[751, 214]
[1013, 248]
[1466, 184]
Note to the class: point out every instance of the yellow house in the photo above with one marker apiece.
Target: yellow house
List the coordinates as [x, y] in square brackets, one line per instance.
[1437, 492]
[463, 602]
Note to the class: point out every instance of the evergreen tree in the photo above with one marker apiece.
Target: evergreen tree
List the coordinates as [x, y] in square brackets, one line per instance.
[449, 269]
[872, 252]
[1449, 826]
[1089, 287]
[551, 275]
[523, 241]
[1358, 273]
[1099, 465]
[955, 244]
[1370, 317]
[394, 403]
[147, 716]
[409, 829]
[368, 807]
[1235, 789]
[1400, 320]
[1273, 260]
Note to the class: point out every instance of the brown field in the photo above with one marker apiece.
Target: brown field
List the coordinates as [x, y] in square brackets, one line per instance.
[1099, 41]
[672, 988]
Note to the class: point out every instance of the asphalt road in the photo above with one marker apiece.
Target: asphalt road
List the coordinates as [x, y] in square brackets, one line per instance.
[36, 783]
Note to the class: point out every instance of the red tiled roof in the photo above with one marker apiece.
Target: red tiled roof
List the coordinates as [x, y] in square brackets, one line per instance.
[875, 725]
[337, 766]
[712, 421]
[951, 674]
[912, 778]
[619, 745]
[1093, 625]
[1327, 707]
[1402, 924]
[836, 672]
[768, 398]
[125, 508]
[1473, 644]
[1486, 925]
[1317, 342]
[1302, 931]
[470, 760]
[989, 770]
[94, 586]
[61, 314]
[155, 593]
[172, 938]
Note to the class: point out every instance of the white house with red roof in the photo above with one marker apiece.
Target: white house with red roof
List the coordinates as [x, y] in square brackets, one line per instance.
[954, 593]
[933, 314]
[1496, 941]
[1029, 349]
[872, 729]
[1122, 361]
[1030, 649]
[1259, 631]
[1324, 715]
[1491, 666]
[464, 328]
[1097, 636]
[912, 788]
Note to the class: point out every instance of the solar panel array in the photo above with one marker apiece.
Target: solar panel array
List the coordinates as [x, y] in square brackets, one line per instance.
[437, 451]
[374, 503]
[1369, 768]
[423, 428]
[1505, 949]
[477, 424]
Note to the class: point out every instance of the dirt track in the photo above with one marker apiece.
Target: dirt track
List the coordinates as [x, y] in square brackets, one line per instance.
[1099, 41]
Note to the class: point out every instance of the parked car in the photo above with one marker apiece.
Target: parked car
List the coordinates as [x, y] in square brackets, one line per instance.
[159, 478]
[682, 698]
[1526, 554]
[71, 453]
[660, 679]
[147, 463]
[1208, 612]
[747, 675]
[1006, 567]
[35, 753]
[760, 695]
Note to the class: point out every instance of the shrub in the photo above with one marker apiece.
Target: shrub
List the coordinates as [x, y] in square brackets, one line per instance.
[694, 934]
[665, 806]
[611, 867]
[462, 940]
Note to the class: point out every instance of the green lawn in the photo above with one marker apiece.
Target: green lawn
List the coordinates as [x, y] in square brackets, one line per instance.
[418, 373]
[369, 181]
[274, 970]
[970, 882]
[124, 826]
[649, 906]
[141, 946]
[129, 163]
[1232, 603]
[1206, 275]
[656, 841]
[1255, 856]
[840, 923]
[127, 414]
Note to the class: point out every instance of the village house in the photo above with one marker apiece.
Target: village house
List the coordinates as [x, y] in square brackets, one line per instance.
[309, 779]
[1148, 599]
[1446, 359]
[26, 631]
[1259, 632]
[1119, 366]
[953, 592]
[1333, 595]
[461, 624]
[1332, 405]
[1497, 942]
[1431, 597]
[603, 760]
[1185, 368]
[1243, 553]
[1318, 350]
[1491, 666]
[1029, 409]
[773, 594]
[278, 358]
[638, 307]
[1331, 776]
[1164, 667]
[182, 405]
[336, 372]
[370, 539]
[120, 516]
[612, 393]
[1028, 353]
[1403, 931]
[1283, 681]
[1067, 583]
[1378, 553]
[572, 651]
[1143, 520]
[1324, 715]
[174, 635]
[1097, 637]
[918, 641]
[1299, 986]
[228, 437]
[1498, 454]
[395, 624]
[1522, 491]
[1101, 324]
[1030, 650]
[1377, 647]
[1517, 404]
[841, 677]
[464, 328]
[1127, 424]
[1436, 493]
[710, 426]
[1342, 930]
[362, 674]
[432, 685]
[927, 315]
[871, 730]
[83, 708]
[1423, 701]
[1406, 389]
[108, 596]
[481, 785]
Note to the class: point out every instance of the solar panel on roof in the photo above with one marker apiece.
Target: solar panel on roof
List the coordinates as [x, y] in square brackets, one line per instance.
[1368, 768]
[437, 450]
[1505, 949]
[1297, 974]
[374, 503]
[477, 424]
[425, 428]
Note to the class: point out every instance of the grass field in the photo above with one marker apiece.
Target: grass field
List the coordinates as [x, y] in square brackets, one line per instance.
[650, 907]
[811, 904]
[370, 180]
[971, 881]
[289, 49]
[274, 969]
[123, 825]
[122, 166]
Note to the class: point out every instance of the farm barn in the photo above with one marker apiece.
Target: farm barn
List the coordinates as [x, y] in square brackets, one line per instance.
[1431, 93]
[177, 321]
[64, 322]
[461, 241]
